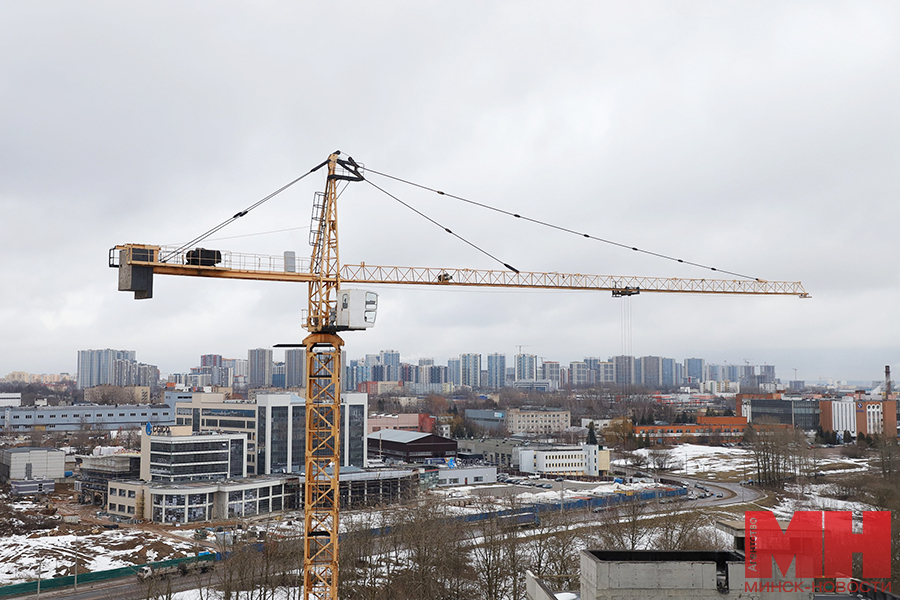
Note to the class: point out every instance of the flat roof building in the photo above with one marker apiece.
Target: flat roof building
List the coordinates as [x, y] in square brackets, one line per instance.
[409, 446]
[78, 417]
[19, 464]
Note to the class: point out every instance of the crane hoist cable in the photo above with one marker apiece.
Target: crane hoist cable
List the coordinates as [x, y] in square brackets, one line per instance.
[447, 229]
[238, 215]
[559, 227]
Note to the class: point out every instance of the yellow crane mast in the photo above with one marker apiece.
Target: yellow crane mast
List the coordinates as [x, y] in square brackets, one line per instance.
[327, 315]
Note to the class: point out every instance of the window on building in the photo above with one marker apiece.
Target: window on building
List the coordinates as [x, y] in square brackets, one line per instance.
[130, 510]
[131, 493]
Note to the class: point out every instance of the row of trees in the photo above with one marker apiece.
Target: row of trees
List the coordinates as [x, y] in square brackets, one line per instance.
[429, 555]
[425, 553]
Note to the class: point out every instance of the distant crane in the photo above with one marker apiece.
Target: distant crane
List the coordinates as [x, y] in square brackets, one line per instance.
[333, 309]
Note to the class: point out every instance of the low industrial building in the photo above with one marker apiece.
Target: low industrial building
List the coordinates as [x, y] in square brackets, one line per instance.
[80, 417]
[403, 421]
[705, 430]
[31, 463]
[493, 451]
[448, 476]
[583, 460]
[10, 399]
[409, 446]
[32, 470]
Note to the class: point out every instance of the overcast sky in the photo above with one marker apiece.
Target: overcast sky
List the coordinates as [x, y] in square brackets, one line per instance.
[761, 138]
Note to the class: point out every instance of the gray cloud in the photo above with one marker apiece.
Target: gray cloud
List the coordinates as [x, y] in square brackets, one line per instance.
[761, 138]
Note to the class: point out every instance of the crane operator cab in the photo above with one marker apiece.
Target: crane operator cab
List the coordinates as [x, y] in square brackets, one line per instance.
[355, 309]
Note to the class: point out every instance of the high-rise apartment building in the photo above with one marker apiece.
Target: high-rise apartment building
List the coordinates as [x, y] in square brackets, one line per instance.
[113, 367]
[260, 363]
[295, 368]
[550, 372]
[454, 371]
[496, 370]
[211, 360]
[695, 369]
[239, 366]
[652, 372]
[672, 373]
[433, 374]
[470, 370]
[732, 372]
[390, 360]
[526, 367]
[767, 374]
[578, 374]
[605, 372]
[624, 366]
[714, 373]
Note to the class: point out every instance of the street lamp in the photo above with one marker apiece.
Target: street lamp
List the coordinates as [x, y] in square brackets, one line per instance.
[40, 568]
[76, 562]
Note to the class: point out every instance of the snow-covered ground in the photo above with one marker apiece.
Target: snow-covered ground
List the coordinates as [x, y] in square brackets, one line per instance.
[694, 460]
[814, 497]
[21, 556]
[280, 594]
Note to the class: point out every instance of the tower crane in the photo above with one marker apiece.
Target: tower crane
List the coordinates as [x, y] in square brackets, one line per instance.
[333, 309]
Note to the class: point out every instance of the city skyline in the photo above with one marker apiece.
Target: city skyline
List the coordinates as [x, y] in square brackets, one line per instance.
[727, 137]
[291, 363]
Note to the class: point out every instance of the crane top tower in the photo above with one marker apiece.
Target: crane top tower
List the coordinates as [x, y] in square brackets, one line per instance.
[333, 308]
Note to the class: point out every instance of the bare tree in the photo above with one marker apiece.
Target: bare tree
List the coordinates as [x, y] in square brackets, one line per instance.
[622, 526]
[660, 458]
[682, 528]
[777, 452]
